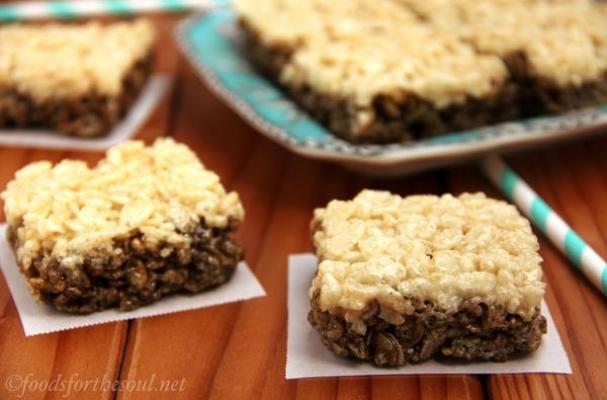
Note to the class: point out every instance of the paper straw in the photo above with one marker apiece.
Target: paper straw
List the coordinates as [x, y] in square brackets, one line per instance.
[545, 219]
[76, 9]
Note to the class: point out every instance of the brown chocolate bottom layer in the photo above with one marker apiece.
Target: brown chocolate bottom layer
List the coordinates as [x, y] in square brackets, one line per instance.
[87, 116]
[133, 275]
[475, 331]
[397, 118]
[540, 95]
[391, 119]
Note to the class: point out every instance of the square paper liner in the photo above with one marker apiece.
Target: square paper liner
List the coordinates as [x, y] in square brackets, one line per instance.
[307, 357]
[38, 319]
[138, 113]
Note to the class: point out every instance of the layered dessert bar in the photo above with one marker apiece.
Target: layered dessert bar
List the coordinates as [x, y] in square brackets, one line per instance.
[396, 70]
[143, 223]
[372, 72]
[555, 50]
[78, 80]
[401, 280]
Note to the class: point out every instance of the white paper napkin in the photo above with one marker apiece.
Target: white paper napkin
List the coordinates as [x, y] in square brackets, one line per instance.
[147, 101]
[307, 357]
[38, 319]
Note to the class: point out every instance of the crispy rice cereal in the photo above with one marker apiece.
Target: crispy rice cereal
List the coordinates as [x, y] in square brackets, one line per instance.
[564, 41]
[399, 70]
[360, 49]
[68, 210]
[58, 61]
[445, 250]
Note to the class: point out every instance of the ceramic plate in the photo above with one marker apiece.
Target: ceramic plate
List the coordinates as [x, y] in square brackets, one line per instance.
[213, 44]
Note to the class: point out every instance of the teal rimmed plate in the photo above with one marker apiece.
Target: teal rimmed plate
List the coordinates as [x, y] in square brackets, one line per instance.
[212, 42]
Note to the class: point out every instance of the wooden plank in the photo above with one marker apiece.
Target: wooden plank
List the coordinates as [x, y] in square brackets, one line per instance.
[571, 182]
[78, 357]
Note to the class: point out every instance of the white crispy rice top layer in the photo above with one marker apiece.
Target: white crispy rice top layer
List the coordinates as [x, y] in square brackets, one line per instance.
[445, 250]
[52, 61]
[563, 40]
[360, 48]
[441, 50]
[68, 210]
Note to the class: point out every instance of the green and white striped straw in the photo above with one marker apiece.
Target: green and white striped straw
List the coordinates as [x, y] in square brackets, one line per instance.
[545, 219]
[23, 11]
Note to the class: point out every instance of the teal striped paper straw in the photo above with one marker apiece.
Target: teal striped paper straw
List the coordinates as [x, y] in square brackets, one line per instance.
[22, 11]
[545, 219]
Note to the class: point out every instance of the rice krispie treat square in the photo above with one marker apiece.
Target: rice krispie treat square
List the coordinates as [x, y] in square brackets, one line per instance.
[145, 222]
[401, 280]
[78, 79]
[555, 50]
[372, 71]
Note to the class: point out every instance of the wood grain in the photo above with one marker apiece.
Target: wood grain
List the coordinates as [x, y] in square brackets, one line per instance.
[238, 350]
[571, 183]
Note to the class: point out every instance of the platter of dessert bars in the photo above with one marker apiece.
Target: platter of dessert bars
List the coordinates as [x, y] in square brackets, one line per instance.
[397, 87]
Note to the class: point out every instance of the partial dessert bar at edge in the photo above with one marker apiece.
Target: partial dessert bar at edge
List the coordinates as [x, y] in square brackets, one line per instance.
[402, 280]
[145, 222]
[76, 79]
[398, 70]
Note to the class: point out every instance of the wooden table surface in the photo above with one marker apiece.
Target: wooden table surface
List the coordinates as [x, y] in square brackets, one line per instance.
[237, 351]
